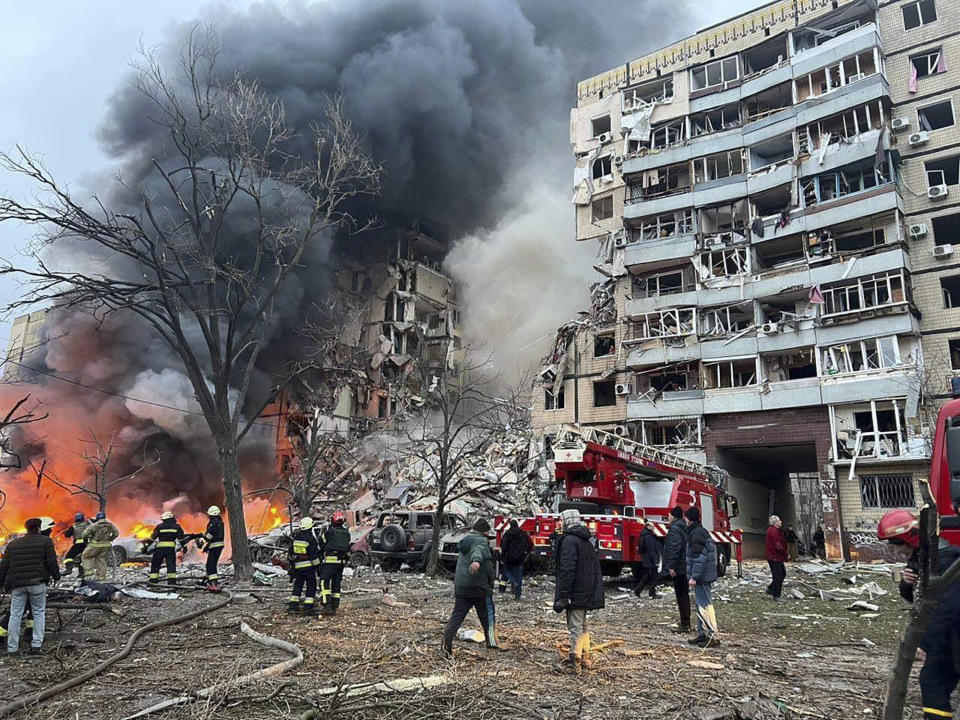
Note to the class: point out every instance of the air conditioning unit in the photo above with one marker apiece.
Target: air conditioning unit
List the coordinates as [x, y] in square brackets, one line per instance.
[942, 250]
[919, 138]
[900, 123]
[548, 373]
[918, 230]
[770, 328]
[854, 78]
[620, 239]
[623, 388]
[618, 160]
[604, 138]
[620, 430]
[937, 191]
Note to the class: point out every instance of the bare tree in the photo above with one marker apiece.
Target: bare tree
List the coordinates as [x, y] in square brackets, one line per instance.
[172, 258]
[464, 410]
[17, 416]
[99, 457]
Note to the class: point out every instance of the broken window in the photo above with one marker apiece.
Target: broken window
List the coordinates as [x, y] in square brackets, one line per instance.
[604, 345]
[666, 134]
[662, 181]
[715, 73]
[780, 252]
[381, 407]
[663, 283]
[789, 365]
[810, 37]
[887, 491]
[671, 379]
[771, 203]
[945, 171]
[834, 185]
[771, 152]
[858, 240]
[741, 372]
[659, 91]
[872, 429]
[860, 356]
[769, 102]
[671, 432]
[723, 118]
[918, 13]
[864, 294]
[722, 263]
[675, 322]
[765, 56]
[551, 401]
[602, 167]
[602, 208]
[936, 116]
[946, 229]
[835, 76]
[726, 320]
[931, 62]
[600, 125]
[954, 347]
[664, 226]
[950, 286]
[730, 217]
[720, 165]
[844, 126]
[604, 393]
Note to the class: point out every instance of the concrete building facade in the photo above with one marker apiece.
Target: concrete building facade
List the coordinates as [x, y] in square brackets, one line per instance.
[776, 199]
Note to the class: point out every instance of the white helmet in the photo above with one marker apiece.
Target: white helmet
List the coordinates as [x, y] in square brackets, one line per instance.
[306, 523]
[213, 510]
[167, 516]
[47, 523]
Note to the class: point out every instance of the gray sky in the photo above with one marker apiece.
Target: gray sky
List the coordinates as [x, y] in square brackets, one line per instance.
[62, 60]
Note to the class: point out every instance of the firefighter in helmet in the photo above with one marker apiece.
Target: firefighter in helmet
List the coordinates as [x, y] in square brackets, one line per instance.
[213, 546]
[304, 561]
[166, 534]
[335, 551]
[939, 645]
[72, 558]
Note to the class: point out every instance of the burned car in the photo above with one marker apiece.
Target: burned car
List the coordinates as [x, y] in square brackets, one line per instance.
[405, 536]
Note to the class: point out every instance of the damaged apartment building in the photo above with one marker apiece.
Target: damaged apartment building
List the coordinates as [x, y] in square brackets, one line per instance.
[776, 202]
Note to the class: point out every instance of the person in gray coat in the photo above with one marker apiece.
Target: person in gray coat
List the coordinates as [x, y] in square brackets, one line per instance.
[701, 574]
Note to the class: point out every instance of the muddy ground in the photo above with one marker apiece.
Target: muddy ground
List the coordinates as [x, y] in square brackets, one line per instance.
[803, 658]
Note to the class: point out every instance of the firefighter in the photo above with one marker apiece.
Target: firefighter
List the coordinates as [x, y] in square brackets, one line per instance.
[213, 546]
[72, 558]
[166, 534]
[304, 561]
[335, 550]
[98, 538]
[940, 674]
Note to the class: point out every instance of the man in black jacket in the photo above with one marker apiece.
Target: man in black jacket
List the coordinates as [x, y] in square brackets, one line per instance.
[675, 565]
[27, 566]
[650, 562]
[334, 553]
[579, 583]
[514, 549]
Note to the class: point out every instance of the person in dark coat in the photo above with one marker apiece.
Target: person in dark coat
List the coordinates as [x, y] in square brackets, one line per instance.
[579, 583]
[820, 543]
[675, 566]
[792, 540]
[515, 546]
[28, 564]
[473, 586]
[650, 562]
[701, 574]
[776, 554]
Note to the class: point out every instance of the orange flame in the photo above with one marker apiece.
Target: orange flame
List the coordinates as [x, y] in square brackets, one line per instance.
[141, 531]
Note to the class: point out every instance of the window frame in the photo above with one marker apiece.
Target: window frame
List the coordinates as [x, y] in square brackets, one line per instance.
[597, 203]
[953, 113]
[605, 162]
[933, 62]
[721, 63]
[920, 19]
[553, 402]
[877, 494]
[593, 121]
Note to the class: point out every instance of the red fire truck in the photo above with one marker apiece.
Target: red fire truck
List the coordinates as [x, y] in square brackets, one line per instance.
[614, 482]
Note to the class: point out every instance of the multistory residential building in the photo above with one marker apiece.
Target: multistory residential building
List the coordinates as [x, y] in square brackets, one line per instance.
[776, 200]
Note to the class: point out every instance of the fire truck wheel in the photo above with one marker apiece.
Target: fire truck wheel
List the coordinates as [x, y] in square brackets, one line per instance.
[611, 569]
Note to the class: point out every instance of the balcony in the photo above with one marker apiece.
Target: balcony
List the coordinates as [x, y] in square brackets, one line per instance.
[832, 51]
[652, 352]
[859, 147]
[651, 254]
[853, 388]
[790, 393]
[639, 207]
[670, 404]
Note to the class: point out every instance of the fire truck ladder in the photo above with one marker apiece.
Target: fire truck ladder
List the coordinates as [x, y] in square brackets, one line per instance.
[571, 436]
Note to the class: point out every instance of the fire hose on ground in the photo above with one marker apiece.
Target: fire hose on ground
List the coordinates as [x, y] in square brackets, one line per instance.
[54, 690]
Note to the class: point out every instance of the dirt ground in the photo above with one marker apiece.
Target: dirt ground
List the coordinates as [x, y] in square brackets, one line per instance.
[799, 658]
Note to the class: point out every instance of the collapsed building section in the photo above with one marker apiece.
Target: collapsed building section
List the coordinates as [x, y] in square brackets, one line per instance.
[762, 220]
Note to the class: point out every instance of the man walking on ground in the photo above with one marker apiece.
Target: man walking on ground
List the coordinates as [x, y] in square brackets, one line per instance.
[650, 562]
[675, 565]
[820, 543]
[776, 555]
[515, 546]
[579, 585]
[702, 571]
[473, 586]
[792, 539]
[27, 566]
[98, 539]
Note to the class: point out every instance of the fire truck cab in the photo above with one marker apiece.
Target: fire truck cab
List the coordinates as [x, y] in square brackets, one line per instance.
[616, 483]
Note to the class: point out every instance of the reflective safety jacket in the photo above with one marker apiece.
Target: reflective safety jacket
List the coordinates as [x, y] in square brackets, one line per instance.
[101, 534]
[214, 533]
[76, 532]
[335, 542]
[167, 533]
[304, 554]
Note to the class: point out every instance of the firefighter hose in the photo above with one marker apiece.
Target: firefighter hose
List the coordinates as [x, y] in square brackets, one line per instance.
[43, 695]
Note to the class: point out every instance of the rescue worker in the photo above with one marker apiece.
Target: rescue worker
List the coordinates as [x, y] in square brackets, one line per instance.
[304, 561]
[166, 535]
[938, 646]
[213, 546]
[98, 538]
[72, 558]
[335, 551]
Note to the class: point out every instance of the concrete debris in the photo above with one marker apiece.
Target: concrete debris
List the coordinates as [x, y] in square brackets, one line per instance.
[797, 594]
[863, 605]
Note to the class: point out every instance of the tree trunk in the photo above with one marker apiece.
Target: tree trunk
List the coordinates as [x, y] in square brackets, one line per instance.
[433, 557]
[233, 491]
[102, 503]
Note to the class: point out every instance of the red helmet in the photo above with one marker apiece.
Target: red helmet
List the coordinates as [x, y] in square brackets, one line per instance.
[338, 518]
[899, 525]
